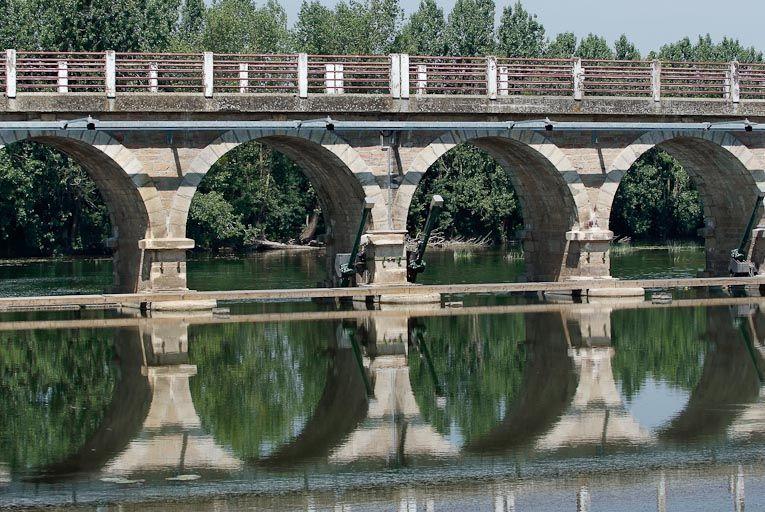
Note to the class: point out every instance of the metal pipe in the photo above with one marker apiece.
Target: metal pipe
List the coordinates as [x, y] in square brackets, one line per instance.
[349, 269]
[391, 126]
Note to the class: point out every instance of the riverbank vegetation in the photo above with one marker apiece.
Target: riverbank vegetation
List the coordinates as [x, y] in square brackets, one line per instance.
[49, 205]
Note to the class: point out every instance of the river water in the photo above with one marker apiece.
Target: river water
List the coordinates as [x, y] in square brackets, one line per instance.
[304, 269]
[508, 403]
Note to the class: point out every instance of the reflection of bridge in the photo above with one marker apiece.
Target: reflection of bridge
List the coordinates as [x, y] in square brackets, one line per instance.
[568, 400]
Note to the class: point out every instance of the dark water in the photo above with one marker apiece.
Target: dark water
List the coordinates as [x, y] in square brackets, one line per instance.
[525, 406]
[306, 269]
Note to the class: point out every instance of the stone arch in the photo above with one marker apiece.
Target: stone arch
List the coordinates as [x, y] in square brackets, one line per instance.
[727, 174]
[134, 205]
[553, 198]
[340, 176]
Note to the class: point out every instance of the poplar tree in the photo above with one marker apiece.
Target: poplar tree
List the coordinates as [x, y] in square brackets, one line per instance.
[520, 34]
[470, 29]
[423, 34]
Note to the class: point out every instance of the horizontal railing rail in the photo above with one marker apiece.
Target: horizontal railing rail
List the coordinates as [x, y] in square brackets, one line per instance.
[400, 76]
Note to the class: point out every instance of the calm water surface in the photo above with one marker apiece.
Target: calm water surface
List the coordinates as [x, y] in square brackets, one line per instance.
[306, 269]
[526, 406]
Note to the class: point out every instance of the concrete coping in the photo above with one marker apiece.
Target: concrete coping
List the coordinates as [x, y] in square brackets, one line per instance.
[594, 235]
[170, 370]
[386, 237]
[758, 233]
[166, 243]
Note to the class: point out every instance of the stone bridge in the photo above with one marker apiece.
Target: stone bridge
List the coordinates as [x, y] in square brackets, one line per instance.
[148, 141]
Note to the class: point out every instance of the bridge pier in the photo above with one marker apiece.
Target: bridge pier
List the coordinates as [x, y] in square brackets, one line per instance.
[163, 264]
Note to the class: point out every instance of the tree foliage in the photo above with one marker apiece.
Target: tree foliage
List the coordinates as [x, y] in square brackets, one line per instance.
[520, 34]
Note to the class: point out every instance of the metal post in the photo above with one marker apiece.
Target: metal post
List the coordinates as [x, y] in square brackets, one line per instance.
[578, 77]
[153, 75]
[62, 81]
[656, 80]
[417, 265]
[348, 269]
[394, 74]
[302, 75]
[111, 74]
[491, 77]
[10, 73]
[208, 75]
[244, 77]
[404, 65]
[422, 79]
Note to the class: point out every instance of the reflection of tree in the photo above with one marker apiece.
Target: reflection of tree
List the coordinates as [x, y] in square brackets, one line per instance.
[55, 387]
[257, 384]
[663, 343]
[479, 362]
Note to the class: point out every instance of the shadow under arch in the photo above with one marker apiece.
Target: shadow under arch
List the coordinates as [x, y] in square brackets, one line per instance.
[726, 173]
[548, 387]
[122, 421]
[337, 172]
[127, 192]
[551, 194]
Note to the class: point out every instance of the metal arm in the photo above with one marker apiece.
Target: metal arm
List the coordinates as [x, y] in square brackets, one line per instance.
[739, 254]
[416, 264]
[349, 269]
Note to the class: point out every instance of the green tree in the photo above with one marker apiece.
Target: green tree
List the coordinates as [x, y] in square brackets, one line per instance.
[705, 49]
[315, 28]
[233, 26]
[594, 47]
[423, 33]
[470, 29]
[562, 47]
[657, 201]
[520, 34]
[480, 200]
[625, 50]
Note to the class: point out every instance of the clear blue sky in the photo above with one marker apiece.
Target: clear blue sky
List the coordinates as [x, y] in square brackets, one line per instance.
[648, 23]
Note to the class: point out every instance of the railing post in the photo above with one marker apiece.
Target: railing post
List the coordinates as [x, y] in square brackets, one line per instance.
[734, 87]
[153, 77]
[10, 73]
[491, 77]
[110, 74]
[333, 78]
[504, 82]
[578, 77]
[422, 79]
[302, 75]
[63, 77]
[656, 80]
[207, 74]
[244, 77]
[404, 58]
[394, 72]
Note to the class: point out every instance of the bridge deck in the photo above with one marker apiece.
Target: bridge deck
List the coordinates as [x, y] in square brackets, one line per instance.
[285, 295]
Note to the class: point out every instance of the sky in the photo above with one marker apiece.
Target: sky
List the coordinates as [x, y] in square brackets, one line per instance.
[647, 23]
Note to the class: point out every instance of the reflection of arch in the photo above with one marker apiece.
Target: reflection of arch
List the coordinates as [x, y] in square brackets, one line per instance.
[551, 193]
[133, 202]
[728, 380]
[549, 383]
[343, 404]
[124, 417]
[335, 169]
[726, 173]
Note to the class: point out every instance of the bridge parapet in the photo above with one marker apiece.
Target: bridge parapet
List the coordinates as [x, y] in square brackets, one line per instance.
[400, 76]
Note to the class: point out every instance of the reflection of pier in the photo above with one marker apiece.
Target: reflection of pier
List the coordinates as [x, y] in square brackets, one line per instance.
[151, 423]
[393, 428]
[171, 437]
[596, 415]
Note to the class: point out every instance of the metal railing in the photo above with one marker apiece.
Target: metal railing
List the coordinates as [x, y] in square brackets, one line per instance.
[400, 76]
